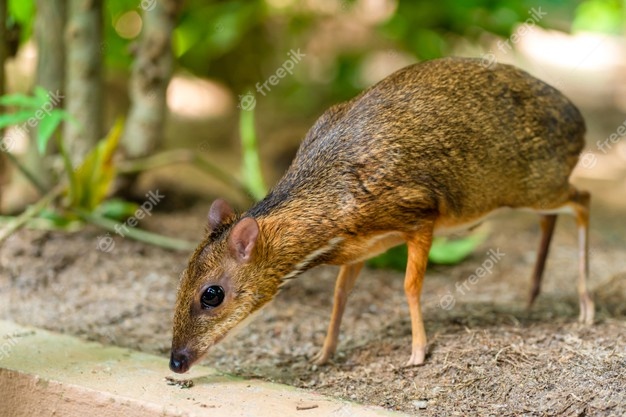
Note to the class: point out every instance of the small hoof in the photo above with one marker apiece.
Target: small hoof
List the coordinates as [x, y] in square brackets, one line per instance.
[417, 358]
[587, 312]
[531, 300]
[321, 358]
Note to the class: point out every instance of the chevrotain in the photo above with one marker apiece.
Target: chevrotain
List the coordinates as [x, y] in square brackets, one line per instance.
[434, 147]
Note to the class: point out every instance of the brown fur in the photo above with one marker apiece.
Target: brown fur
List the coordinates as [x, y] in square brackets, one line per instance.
[434, 145]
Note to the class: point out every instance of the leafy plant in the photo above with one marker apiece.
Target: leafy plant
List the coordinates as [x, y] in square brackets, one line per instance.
[85, 188]
[33, 108]
[91, 181]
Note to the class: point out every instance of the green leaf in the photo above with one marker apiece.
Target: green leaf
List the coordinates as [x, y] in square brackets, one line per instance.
[116, 209]
[22, 13]
[94, 177]
[56, 218]
[451, 252]
[22, 10]
[600, 16]
[41, 94]
[46, 128]
[22, 100]
[394, 258]
[12, 119]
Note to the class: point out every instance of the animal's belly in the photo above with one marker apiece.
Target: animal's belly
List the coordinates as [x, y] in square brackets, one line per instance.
[445, 226]
[363, 248]
[359, 250]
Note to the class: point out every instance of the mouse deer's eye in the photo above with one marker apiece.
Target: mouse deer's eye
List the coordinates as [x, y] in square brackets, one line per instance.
[212, 297]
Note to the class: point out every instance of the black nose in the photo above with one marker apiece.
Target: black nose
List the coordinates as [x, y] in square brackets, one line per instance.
[179, 362]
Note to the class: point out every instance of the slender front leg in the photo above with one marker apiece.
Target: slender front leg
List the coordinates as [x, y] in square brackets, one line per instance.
[345, 282]
[419, 246]
[548, 222]
[581, 203]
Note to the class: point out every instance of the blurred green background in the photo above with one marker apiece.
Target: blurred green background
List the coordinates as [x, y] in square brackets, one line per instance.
[238, 43]
[287, 61]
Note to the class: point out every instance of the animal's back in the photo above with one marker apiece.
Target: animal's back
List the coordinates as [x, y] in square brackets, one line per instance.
[448, 137]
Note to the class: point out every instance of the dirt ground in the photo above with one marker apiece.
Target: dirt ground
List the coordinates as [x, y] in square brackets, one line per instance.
[487, 354]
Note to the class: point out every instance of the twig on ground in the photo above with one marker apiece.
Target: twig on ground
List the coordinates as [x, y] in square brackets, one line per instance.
[306, 407]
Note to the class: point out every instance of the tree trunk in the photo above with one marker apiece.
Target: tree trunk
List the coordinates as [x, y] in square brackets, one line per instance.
[4, 52]
[49, 19]
[151, 74]
[49, 23]
[83, 86]
[3, 58]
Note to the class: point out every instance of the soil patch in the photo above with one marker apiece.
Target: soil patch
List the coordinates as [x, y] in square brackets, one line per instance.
[487, 353]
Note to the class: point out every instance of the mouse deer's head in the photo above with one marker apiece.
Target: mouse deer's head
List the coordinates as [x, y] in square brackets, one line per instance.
[222, 285]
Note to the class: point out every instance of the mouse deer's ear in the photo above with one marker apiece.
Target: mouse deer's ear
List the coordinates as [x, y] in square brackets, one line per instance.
[218, 213]
[243, 238]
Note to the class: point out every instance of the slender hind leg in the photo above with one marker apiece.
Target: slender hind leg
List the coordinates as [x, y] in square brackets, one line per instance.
[580, 201]
[344, 284]
[419, 246]
[548, 221]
